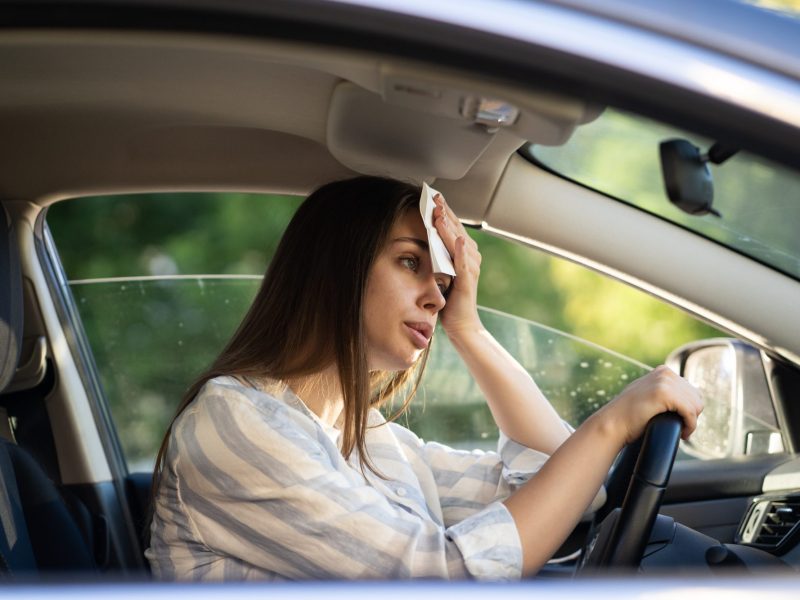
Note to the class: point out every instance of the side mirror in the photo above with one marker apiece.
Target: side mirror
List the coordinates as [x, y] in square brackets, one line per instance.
[739, 417]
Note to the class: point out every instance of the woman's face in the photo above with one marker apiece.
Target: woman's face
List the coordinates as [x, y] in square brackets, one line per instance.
[403, 297]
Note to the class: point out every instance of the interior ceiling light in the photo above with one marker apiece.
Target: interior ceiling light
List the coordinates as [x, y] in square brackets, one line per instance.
[489, 112]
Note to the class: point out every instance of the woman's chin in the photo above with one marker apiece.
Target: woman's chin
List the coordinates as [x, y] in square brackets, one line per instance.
[395, 363]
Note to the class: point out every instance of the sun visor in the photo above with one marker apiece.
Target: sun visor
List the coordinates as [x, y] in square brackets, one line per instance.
[370, 136]
[416, 129]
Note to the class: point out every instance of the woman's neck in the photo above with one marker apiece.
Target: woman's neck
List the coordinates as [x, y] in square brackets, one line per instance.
[321, 393]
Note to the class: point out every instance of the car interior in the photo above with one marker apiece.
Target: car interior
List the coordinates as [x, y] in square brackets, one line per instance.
[95, 110]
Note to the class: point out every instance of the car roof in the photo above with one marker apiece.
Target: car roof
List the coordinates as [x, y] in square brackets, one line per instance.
[748, 32]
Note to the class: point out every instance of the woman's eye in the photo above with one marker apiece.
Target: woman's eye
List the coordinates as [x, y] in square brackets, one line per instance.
[410, 263]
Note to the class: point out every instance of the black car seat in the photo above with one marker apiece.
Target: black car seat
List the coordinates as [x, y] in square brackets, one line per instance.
[38, 533]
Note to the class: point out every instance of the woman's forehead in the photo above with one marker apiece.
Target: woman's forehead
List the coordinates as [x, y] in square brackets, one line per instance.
[409, 224]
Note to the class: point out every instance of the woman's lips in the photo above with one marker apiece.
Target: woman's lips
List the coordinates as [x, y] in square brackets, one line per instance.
[420, 333]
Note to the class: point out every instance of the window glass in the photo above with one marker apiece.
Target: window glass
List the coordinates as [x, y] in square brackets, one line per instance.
[758, 201]
[150, 338]
[576, 376]
[161, 281]
[138, 270]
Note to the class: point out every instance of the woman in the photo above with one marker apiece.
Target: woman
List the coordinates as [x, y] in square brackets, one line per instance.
[278, 466]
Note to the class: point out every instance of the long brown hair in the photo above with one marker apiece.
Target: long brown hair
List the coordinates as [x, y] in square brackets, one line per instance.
[307, 314]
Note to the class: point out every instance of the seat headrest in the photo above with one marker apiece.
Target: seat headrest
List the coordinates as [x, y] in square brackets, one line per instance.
[10, 301]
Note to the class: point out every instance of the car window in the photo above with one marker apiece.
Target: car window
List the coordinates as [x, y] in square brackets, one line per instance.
[577, 377]
[160, 282]
[757, 202]
[150, 338]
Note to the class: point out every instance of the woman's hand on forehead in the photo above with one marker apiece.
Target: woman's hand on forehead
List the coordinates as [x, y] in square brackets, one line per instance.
[461, 312]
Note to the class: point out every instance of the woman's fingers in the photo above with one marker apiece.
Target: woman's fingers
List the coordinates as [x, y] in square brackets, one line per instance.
[450, 230]
[671, 392]
[689, 404]
[447, 224]
[661, 390]
[461, 310]
[683, 398]
[693, 410]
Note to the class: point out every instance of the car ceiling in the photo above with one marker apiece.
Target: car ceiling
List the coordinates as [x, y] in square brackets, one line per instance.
[86, 112]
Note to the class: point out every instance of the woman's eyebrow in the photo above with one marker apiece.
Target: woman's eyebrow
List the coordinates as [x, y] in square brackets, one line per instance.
[421, 243]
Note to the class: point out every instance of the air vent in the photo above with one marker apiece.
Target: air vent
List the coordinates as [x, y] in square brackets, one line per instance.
[771, 522]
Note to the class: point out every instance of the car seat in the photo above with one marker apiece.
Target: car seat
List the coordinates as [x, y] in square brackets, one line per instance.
[38, 533]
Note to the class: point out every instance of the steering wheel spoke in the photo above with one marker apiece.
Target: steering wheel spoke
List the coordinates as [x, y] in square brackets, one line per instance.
[622, 537]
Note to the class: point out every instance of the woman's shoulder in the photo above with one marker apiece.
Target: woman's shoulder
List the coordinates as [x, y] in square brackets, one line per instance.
[233, 430]
[403, 435]
[232, 408]
[235, 395]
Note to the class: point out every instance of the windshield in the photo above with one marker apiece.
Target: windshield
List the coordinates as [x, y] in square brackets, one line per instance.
[758, 202]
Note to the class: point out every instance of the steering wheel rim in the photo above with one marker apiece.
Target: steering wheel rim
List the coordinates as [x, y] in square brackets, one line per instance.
[624, 545]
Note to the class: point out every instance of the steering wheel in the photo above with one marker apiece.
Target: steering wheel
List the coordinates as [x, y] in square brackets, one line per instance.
[622, 537]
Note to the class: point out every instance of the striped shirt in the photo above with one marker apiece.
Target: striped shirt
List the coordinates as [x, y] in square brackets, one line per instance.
[255, 487]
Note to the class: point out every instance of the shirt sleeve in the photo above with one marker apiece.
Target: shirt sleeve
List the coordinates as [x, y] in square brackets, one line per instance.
[467, 481]
[257, 486]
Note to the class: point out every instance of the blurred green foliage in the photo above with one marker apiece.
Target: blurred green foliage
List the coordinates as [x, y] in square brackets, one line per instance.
[150, 339]
[574, 299]
[168, 234]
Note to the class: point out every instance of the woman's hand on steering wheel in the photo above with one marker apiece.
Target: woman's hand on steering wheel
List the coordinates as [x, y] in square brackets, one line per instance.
[661, 390]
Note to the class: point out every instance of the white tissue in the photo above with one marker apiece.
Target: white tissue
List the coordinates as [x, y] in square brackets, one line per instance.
[440, 257]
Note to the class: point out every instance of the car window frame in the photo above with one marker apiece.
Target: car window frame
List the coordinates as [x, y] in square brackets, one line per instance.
[80, 349]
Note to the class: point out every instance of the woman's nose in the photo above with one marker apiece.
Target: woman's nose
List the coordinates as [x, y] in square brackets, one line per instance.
[432, 297]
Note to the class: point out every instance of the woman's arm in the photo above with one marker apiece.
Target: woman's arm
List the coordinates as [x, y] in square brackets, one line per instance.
[572, 476]
[518, 406]
[569, 480]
